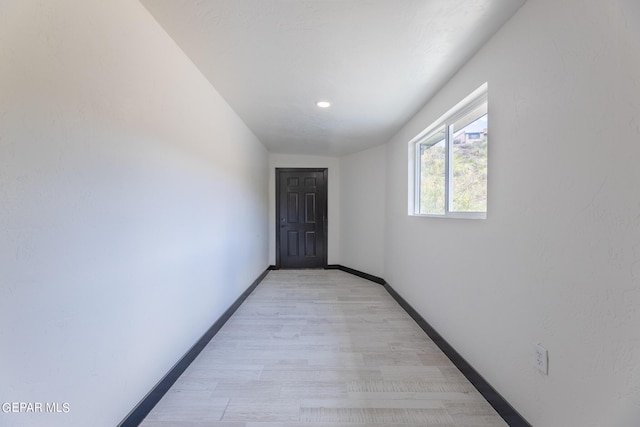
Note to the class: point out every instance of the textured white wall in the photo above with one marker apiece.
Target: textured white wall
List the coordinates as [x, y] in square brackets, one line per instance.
[333, 202]
[362, 210]
[557, 261]
[133, 207]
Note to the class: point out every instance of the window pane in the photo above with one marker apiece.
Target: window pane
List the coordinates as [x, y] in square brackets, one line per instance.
[432, 175]
[469, 162]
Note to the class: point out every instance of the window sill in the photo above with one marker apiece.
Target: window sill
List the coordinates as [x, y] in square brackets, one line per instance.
[453, 215]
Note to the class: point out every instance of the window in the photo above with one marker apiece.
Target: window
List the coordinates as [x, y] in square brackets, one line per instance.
[450, 174]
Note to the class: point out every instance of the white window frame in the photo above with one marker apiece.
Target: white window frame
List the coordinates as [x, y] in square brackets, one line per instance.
[476, 98]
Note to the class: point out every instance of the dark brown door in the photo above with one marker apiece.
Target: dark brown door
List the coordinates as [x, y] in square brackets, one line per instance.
[301, 218]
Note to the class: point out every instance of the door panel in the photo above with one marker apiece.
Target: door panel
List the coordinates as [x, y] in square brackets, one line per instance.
[293, 249]
[301, 207]
[310, 208]
[292, 207]
[310, 243]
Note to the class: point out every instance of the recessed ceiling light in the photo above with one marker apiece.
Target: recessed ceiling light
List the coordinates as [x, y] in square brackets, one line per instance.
[323, 104]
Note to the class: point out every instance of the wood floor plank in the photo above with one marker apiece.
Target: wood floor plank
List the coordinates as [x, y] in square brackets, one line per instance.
[262, 409]
[372, 416]
[199, 406]
[321, 348]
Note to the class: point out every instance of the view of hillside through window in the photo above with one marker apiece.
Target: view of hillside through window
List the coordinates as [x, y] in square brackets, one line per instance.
[469, 158]
[432, 175]
[467, 180]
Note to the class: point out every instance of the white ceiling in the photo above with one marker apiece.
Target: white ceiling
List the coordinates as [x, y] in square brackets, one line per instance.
[377, 61]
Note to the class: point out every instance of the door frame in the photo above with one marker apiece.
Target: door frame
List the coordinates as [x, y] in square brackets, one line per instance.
[324, 209]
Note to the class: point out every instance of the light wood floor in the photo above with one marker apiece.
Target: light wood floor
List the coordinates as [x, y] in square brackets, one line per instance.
[319, 348]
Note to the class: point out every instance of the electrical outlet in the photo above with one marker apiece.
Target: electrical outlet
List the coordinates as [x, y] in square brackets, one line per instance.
[541, 359]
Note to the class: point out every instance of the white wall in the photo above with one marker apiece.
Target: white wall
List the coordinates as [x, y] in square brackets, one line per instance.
[557, 261]
[362, 210]
[333, 198]
[133, 207]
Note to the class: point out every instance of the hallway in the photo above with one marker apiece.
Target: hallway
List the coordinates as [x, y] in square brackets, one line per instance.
[321, 348]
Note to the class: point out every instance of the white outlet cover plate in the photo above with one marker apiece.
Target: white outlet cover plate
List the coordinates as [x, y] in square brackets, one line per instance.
[541, 360]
